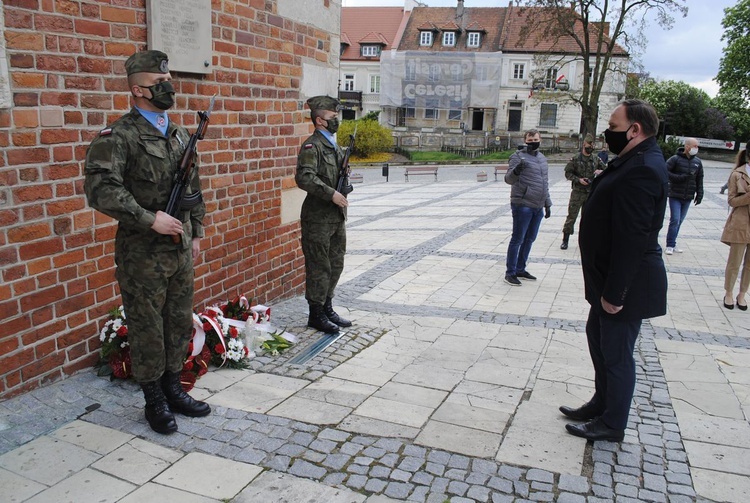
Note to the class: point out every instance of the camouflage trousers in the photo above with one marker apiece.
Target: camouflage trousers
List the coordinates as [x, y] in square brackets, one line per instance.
[324, 247]
[157, 295]
[577, 198]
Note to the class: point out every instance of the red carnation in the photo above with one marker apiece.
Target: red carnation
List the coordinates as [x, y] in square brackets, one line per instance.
[219, 349]
[122, 331]
[233, 332]
[247, 351]
[245, 316]
[207, 327]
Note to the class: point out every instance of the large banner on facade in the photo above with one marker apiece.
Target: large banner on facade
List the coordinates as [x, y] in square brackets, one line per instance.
[443, 80]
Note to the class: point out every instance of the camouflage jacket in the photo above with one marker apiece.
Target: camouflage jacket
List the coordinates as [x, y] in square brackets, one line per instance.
[318, 174]
[130, 171]
[582, 167]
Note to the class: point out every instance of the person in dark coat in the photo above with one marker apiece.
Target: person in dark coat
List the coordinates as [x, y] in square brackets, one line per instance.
[623, 271]
[685, 186]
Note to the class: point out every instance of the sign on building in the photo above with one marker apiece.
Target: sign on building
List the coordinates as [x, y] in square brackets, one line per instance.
[182, 29]
[706, 142]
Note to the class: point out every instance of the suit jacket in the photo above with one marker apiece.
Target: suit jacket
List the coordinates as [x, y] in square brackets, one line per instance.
[619, 234]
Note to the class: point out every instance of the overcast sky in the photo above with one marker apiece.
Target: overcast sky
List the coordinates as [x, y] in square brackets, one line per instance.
[689, 52]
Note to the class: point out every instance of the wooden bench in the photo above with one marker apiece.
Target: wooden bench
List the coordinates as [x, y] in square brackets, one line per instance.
[420, 170]
[502, 169]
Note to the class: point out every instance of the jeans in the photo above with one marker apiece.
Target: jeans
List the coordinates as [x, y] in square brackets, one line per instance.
[525, 228]
[678, 209]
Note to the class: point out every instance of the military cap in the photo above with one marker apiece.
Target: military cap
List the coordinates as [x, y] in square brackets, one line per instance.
[588, 139]
[323, 103]
[147, 61]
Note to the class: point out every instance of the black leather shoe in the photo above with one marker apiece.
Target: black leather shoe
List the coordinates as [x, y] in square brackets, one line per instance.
[564, 245]
[729, 306]
[158, 415]
[319, 321]
[525, 275]
[179, 401]
[333, 316]
[595, 430]
[585, 412]
[741, 307]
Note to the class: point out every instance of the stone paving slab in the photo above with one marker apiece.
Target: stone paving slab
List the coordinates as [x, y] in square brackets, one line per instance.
[446, 388]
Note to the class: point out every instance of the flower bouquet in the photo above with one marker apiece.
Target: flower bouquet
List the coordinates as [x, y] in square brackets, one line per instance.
[115, 351]
[223, 340]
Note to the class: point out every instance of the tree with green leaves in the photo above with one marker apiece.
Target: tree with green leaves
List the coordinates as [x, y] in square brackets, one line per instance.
[681, 106]
[735, 107]
[372, 137]
[598, 29]
[734, 67]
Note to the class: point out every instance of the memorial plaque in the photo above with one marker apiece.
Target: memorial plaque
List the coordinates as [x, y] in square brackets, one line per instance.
[182, 29]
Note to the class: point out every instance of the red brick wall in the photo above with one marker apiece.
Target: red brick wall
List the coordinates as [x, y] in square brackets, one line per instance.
[66, 63]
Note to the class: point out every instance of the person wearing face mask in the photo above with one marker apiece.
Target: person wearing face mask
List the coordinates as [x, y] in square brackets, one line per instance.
[323, 215]
[625, 280]
[685, 186]
[529, 201]
[129, 172]
[581, 171]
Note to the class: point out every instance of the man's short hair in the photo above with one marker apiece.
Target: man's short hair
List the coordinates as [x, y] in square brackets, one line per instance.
[530, 132]
[643, 113]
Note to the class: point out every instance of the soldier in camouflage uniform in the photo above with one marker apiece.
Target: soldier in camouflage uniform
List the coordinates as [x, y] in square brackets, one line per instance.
[323, 215]
[129, 175]
[581, 171]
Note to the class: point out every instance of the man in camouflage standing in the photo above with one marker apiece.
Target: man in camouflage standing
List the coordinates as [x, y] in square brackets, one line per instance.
[581, 171]
[129, 175]
[323, 215]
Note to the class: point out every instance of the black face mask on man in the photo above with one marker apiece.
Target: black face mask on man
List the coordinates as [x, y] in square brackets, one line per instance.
[332, 125]
[162, 95]
[617, 140]
[532, 146]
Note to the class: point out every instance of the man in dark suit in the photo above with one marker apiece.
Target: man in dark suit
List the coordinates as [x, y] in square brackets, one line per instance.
[623, 271]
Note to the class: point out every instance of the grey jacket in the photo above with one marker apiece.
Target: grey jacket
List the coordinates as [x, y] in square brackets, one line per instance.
[531, 186]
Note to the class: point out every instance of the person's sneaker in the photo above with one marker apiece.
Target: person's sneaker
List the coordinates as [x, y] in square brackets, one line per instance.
[722, 190]
[512, 280]
[669, 250]
[678, 250]
[525, 275]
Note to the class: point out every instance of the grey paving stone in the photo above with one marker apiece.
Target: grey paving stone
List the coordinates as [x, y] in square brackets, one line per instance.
[646, 495]
[573, 483]
[374, 452]
[602, 491]
[389, 444]
[375, 485]
[314, 456]
[622, 489]
[484, 466]
[435, 469]
[478, 493]
[336, 461]
[439, 457]
[400, 475]
[302, 468]
[501, 498]
[357, 469]
[398, 490]
[334, 435]
[293, 450]
[679, 478]
[389, 459]
[477, 479]
[302, 438]
[364, 460]
[459, 461]
[570, 498]
[541, 496]
[440, 485]
[324, 446]
[411, 464]
[680, 489]
[500, 484]
[415, 451]
[536, 474]
[422, 478]
[521, 488]
[457, 487]
[419, 494]
[510, 472]
[456, 474]
[378, 471]
[350, 448]
[278, 463]
[334, 479]
[654, 482]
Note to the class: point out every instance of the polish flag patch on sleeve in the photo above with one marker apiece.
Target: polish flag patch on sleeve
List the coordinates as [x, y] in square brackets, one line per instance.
[105, 131]
[308, 146]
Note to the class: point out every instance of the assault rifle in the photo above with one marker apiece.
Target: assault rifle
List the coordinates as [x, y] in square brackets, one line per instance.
[344, 187]
[178, 200]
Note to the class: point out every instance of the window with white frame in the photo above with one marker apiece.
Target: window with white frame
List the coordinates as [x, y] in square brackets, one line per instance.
[425, 38]
[375, 84]
[454, 115]
[410, 112]
[551, 78]
[431, 110]
[548, 115]
[349, 82]
[410, 71]
[473, 39]
[449, 38]
[434, 75]
[519, 70]
[370, 51]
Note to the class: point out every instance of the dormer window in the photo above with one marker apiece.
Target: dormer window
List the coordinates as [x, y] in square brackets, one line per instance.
[425, 38]
[473, 39]
[449, 39]
[370, 51]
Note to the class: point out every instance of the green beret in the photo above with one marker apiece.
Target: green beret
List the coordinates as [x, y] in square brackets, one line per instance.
[323, 103]
[147, 61]
[588, 139]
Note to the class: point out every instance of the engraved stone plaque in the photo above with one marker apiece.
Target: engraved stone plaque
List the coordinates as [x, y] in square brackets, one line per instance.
[182, 29]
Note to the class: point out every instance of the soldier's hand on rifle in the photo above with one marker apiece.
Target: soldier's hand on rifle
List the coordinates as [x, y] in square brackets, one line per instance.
[583, 181]
[165, 224]
[340, 200]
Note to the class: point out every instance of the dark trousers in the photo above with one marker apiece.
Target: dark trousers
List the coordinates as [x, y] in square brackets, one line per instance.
[324, 247]
[525, 228]
[611, 343]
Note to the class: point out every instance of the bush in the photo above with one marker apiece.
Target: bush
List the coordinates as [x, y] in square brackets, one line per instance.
[668, 147]
[371, 137]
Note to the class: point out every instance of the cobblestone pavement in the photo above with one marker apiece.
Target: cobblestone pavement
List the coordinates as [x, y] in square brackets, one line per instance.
[445, 389]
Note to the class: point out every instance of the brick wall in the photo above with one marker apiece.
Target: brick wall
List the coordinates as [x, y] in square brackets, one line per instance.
[66, 61]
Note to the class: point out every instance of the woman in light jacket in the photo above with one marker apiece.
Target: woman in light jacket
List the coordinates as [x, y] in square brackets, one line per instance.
[737, 233]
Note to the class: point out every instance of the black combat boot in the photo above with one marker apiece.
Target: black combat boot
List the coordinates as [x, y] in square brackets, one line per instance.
[331, 315]
[564, 244]
[320, 321]
[158, 415]
[178, 400]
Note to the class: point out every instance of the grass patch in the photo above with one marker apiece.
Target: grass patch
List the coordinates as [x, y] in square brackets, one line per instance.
[435, 156]
[496, 156]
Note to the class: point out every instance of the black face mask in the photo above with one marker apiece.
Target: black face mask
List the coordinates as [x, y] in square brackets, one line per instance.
[588, 150]
[617, 140]
[332, 125]
[532, 146]
[162, 95]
